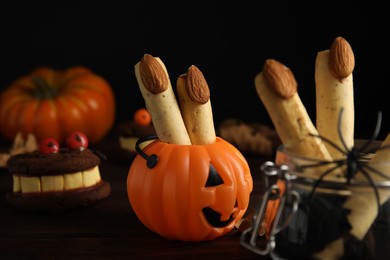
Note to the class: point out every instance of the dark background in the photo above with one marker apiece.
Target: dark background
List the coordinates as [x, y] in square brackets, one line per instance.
[228, 41]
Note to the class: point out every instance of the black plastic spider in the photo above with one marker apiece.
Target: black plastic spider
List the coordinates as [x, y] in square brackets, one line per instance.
[355, 159]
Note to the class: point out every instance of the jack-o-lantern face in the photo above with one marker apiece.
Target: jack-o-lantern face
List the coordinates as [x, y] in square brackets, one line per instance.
[193, 192]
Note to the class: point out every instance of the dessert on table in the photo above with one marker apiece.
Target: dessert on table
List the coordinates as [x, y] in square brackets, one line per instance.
[130, 131]
[19, 145]
[52, 179]
[187, 184]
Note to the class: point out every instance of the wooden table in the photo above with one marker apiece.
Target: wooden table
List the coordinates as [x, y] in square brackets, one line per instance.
[109, 229]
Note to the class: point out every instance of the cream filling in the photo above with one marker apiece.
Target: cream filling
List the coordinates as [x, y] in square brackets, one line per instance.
[129, 143]
[56, 183]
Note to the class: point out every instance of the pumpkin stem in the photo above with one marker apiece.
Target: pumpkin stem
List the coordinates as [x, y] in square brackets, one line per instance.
[44, 90]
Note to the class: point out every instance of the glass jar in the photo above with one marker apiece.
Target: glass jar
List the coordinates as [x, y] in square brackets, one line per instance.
[337, 210]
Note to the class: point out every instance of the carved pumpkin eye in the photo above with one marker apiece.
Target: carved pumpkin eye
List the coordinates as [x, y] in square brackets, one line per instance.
[213, 179]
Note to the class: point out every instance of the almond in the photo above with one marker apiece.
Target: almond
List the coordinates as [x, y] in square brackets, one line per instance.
[341, 58]
[153, 75]
[196, 85]
[280, 78]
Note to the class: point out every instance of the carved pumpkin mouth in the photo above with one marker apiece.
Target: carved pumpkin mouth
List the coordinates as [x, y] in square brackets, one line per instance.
[214, 218]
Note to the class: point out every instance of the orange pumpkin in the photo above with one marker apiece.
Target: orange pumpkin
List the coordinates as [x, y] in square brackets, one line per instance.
[193, 192]
[54, 103]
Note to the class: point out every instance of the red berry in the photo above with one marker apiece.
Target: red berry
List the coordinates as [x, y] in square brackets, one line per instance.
[49, 145]
[77, 141]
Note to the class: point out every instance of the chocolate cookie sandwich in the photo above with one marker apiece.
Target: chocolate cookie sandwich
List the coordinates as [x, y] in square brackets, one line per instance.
[54, 180]
[130, 131]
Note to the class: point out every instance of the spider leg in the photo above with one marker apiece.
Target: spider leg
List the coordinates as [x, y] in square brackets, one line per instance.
[365, 157]
[331, 143]
[375, 149]
[380, 148]
[320, 163]
[375, 134]
[373, 185]
[322, 176]
[376, 171]
[339, 129]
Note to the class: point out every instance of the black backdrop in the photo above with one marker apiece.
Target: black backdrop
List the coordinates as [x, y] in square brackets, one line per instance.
[228, 42]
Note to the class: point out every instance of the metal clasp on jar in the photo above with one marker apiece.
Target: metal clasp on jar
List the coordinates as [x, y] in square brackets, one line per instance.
[284, 197]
